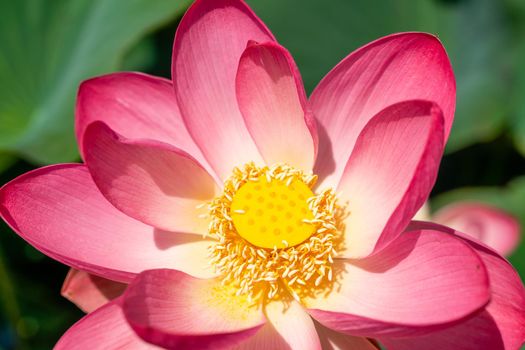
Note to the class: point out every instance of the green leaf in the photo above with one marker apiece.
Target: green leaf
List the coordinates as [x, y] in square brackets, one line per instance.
[474, 35]
[141, 56]
[320, 34]
[510, 198]
[518, 96]
[47, 48]
[6, 160]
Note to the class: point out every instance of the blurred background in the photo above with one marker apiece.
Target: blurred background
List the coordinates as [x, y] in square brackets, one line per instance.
[47, 47]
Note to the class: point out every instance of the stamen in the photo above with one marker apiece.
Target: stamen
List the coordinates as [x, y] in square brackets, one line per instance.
[302, 269]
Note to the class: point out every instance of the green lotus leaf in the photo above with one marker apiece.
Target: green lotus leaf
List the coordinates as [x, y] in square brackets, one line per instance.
[47, 48]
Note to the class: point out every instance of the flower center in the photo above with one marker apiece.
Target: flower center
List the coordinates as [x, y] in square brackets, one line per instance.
[274, 236]
[270, 213]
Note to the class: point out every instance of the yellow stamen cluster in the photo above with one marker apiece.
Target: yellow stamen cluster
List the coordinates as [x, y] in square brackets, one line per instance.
[304, 269]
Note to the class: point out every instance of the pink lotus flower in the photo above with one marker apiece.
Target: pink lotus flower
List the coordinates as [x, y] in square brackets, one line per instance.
[490, 225]
[199, 193]
[485, 223]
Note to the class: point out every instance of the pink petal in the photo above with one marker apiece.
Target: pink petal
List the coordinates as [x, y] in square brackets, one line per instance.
[88, 291]
[289, 327]
[423, 280]
[135, 105]
[105, 328]
[59, 210]
[492, 226]
[153, 182]
[273, 102]
[390, 174]
[332, 340]
[175, 310]
[399, 67]
[208, 45]
[265, 338]
[501, 326]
